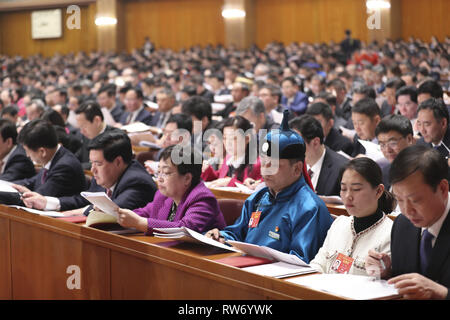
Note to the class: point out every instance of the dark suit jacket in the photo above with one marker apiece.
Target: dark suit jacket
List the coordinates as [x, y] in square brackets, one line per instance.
[328, 183]
[83, 153]
[405, 244]
[385, 171]
[143, 116]
[134, 189]
[64, 178]
[336, 142]
[18, 166]
[358, 148]
[116, 112]
[442, 150]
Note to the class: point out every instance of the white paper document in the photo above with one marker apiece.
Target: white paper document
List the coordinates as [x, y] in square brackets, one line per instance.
[101, 201]
[6, 186]
[136, 127]
[40, 212]
[348, 286]
[373, 150]
[244, 188]
[186, 234]
[149, 144]
[279, 270]
[266, 252]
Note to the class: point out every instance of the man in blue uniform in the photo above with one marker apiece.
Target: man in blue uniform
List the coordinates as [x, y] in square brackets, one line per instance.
[286, 215]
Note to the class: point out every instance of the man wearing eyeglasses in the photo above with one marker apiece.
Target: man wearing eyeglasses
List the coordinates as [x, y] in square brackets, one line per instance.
[394, 133]
[124, 180]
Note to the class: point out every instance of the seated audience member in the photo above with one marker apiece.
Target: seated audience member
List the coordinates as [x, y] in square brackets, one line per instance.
[166, 102]
[241, 162]
[239, 91]
[406, 99]
[69, 141]
[419, 263]
[10, 113]
[61, 173]
[338, 89]
[351, 237]
[429, 89]
[323, 164]
[394, 133]
[14, 163]
[332, 137]
[286, 215]
[365, 118]
[390, 93]
[200, 111]
[270, 95]
[124, 180]
[91, 123]
[293, 99]
[252, 109]
[214, 153]
[182, 198]
[134, 108]
[432, 122]
[177, 131]
[106, 98]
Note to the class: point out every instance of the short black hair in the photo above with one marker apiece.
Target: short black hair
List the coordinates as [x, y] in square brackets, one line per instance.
[53, 117]
[308, 126]
[395, 83]
[421, 158]
[320, 108]
[182, 120]
[185, 167]
[367, 106]
[11, 110]
[438, 107]
[8, 130]
[138, 91]
[90, 109]
[37, 134]
[407, 91]
[394, 122]
[367, 91]
[109, 88]
[431, 87]
[197, 106]
[113, 143]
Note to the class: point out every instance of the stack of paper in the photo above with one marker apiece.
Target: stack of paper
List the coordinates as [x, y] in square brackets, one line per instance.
[186, 234]
[287, 264]
[39, 212]
[348, 286]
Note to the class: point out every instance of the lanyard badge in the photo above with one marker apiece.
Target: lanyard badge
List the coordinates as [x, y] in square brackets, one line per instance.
[254, 219]
[342, 264]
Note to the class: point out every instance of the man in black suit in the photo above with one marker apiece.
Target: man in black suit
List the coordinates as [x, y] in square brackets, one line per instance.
[61, 173]
[115, 173]
[394, 133]
[90, 120]
[420, 236]
[14, 163]
[332, 137]
[106, 98]
[134, 108]
[323, 164]
[432, 123]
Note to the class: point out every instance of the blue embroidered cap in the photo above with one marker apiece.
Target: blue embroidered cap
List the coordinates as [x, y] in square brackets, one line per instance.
[289, 143]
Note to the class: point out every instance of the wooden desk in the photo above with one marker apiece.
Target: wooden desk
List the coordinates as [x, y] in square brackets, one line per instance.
[36, 252]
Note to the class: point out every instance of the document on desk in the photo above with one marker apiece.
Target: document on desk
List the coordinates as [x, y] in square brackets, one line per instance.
[186, 234]
[279, 269]
[39, 212]
[101, 201]
[6, 186]
[266, 252]
[348, 286]
[373, 150]
[136, 127]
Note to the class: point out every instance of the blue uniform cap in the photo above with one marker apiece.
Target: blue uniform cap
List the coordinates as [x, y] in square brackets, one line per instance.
[289, 143]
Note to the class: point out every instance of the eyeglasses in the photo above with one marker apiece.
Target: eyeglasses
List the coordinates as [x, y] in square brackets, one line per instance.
[163, 175]
[392, 143]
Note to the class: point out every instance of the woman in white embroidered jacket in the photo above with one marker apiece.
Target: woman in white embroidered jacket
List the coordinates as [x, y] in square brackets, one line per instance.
[351, 237]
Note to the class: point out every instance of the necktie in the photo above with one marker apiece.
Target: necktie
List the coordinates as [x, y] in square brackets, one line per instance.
[310, 173]
[109, 193]
[425, 250]
[44, 175]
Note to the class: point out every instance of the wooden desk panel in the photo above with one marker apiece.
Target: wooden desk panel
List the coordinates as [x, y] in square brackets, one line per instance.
[40, 261]
[123, 267]
[5, 260]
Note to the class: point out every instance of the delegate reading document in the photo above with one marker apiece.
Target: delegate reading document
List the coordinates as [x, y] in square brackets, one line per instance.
[102, 201]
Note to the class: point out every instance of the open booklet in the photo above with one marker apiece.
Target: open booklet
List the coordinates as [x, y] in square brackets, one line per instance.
[186, 234]
[39, 212]
[284, 265]
[349, 286]
[106, 219]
